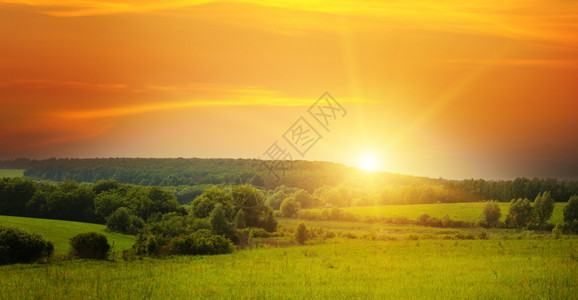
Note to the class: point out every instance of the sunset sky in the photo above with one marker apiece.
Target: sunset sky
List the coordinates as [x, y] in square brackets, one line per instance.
[453, 89]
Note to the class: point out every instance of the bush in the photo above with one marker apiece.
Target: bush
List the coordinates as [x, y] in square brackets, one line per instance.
[18, 246]
[90, 245]
[413, 237]
[259, 233]
[465, 236]
[557, 231]
[483, 235]
[492, 213]
[200, 243]
[329, 235]
[571, 227]
[301, 234]
[349, 235]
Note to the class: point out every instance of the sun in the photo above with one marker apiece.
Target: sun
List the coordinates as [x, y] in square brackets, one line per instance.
[368, 162]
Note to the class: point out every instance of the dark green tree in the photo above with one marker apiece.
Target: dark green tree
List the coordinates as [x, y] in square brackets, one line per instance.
[14, 193]
[204, 204]
[269, 223]
[162, 201]
[520, 213]
[571, 209]
[18, 246]
[252, 202]
[219, 222]
[107, 202]
[543, 207]
[122, 220]
[90, 245]
[105, 186]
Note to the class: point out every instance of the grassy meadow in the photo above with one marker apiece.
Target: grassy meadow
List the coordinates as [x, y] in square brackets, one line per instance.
[361, 261]
[11, 173]
[59, 232]
[480, 269]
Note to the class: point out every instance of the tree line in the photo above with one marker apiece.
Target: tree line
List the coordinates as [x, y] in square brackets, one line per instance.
[152, 213]
[334, 184]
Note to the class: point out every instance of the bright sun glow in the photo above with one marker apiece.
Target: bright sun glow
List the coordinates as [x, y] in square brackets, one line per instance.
[368, 162]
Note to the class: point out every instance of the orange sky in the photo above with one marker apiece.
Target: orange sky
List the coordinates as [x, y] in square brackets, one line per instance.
[452, 89]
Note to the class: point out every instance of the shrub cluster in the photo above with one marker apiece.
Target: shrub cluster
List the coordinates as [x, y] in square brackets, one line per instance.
[18, 246]
[200, 243]
[336, 214]
[332, 214]
[90, 245]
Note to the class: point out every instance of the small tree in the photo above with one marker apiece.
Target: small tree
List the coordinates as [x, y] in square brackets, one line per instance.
[290, 207]
[90, 245]
[492, 213]
[520, 213]
[557, 231]
[269, 223]
[571, 210]
[301, 234]
[219, 221]
[543, 207]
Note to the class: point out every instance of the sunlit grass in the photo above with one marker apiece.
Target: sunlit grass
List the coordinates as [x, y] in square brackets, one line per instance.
[11, 173]
[509, 269]
[456, 211]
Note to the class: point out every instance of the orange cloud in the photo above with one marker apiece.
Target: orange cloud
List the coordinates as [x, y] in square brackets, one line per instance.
[538, 20]
[51, 84]
[548, 63]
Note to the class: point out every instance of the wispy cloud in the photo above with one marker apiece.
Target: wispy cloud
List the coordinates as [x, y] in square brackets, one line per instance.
[548, 63]
[67, 8]
[541, 20]
[50, 84]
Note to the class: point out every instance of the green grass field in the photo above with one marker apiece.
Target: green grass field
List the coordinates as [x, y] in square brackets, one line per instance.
[456, 211]
[59, 232]
[11, 173]
[509, 269]
[380, 261]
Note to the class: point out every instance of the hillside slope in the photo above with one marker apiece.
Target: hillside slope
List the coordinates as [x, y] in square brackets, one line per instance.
[59, 232]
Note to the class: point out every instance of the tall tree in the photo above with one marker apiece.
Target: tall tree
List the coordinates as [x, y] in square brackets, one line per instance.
[571, 209]
[520, 213]
[492, 213]
[543, 207]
